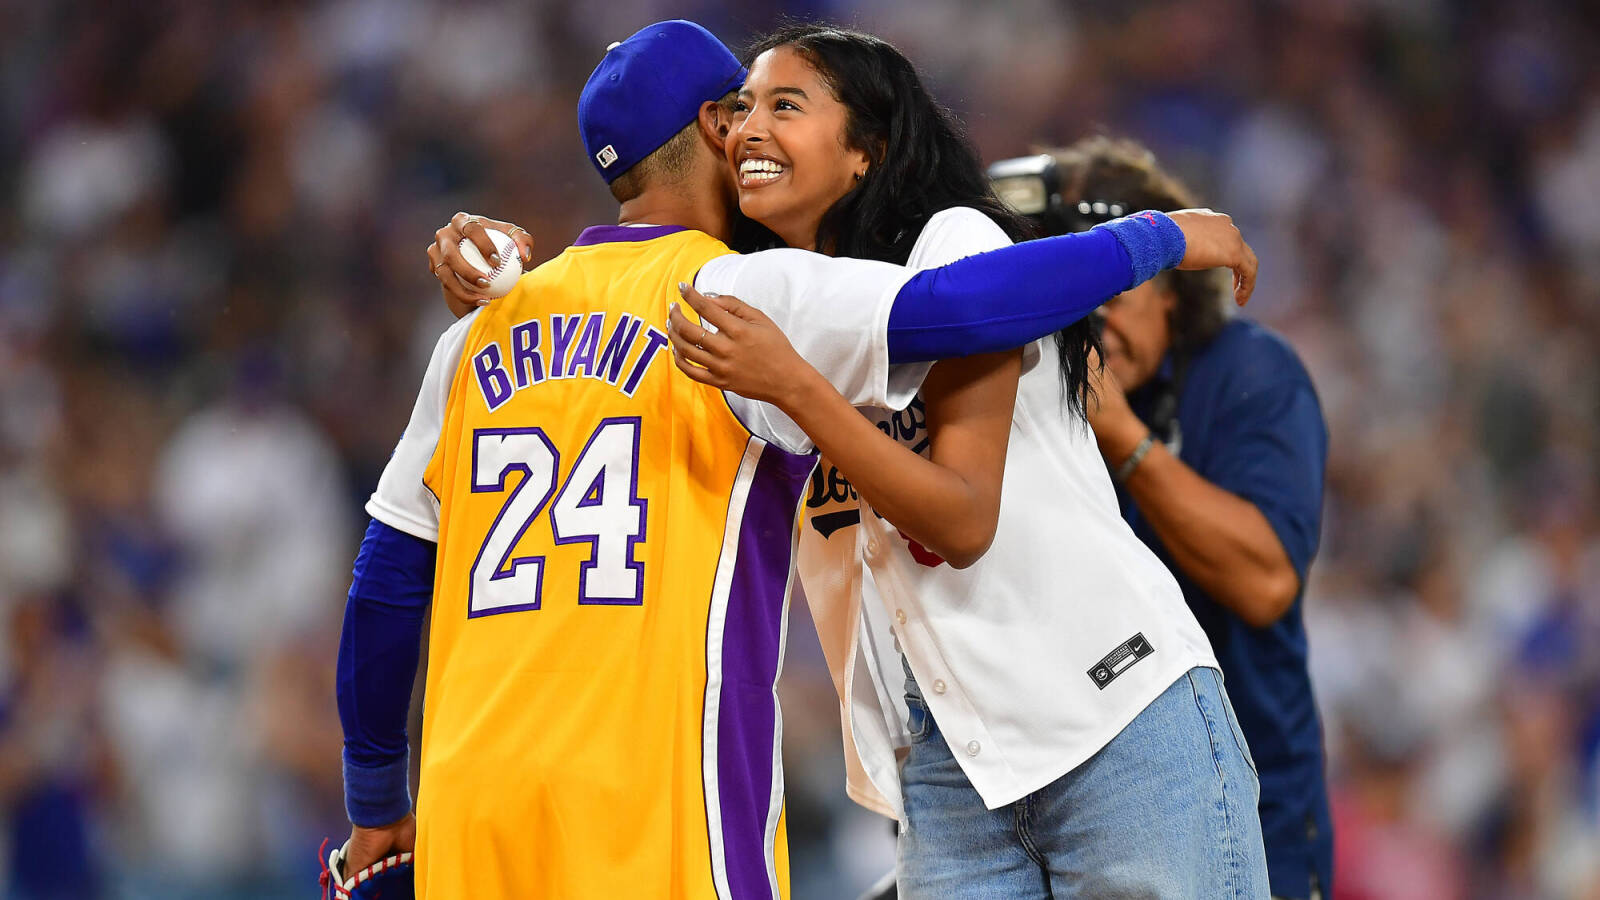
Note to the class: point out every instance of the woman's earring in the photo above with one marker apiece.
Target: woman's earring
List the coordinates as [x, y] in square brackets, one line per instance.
[859, 174]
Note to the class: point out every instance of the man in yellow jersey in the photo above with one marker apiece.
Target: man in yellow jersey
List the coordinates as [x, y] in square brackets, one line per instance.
[606, 544]
[613, 547]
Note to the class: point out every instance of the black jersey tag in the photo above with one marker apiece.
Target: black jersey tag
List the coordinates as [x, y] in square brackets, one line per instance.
[1120, 660]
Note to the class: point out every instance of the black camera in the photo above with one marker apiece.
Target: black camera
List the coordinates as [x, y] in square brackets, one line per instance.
[1031, 185]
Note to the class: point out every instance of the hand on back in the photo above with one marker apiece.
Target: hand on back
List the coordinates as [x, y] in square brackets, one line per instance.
[747, 353]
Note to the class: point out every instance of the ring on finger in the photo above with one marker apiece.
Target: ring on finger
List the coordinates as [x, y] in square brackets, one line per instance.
[517, 228]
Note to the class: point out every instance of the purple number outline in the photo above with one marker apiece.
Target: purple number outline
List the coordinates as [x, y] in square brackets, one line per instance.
[593, 541]
[527, 473]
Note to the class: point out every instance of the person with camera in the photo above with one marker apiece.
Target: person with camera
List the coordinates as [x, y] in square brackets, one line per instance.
[1214, 436]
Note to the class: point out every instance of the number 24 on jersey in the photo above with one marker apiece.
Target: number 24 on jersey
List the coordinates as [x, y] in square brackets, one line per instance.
[598, 505]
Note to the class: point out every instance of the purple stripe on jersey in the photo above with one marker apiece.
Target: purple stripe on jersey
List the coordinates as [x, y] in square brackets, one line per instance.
[609, 234]
[750, 647]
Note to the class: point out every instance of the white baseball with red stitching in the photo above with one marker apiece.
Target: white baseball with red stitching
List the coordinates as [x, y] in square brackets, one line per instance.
[502, 278]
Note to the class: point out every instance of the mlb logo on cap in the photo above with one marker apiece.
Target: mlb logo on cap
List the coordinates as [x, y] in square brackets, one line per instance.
[647, 88]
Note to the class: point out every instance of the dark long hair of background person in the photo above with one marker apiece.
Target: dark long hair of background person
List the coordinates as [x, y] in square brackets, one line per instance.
[922, 163]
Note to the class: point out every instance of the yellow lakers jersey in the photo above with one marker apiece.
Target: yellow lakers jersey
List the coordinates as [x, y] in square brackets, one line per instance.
[613, 561]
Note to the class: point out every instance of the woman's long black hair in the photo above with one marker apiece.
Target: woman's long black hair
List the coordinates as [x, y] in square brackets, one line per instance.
[922, 163]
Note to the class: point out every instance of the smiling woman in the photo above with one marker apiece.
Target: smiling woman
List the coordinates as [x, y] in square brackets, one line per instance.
[1001, 789]
[786, 146]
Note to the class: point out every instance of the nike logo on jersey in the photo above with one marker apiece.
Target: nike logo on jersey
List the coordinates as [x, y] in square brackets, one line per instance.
[572, 346]
[1120, 660]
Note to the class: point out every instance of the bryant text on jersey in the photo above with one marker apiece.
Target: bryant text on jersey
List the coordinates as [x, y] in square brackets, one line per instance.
[594, 353]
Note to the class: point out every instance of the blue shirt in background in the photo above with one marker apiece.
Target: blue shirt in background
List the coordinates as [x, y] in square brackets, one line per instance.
[1250, 424]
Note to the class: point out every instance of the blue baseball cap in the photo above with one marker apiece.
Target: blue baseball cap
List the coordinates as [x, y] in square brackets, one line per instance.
[647, 88]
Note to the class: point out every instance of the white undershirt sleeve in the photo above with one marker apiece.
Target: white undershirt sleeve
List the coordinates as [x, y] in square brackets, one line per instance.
[401, 500]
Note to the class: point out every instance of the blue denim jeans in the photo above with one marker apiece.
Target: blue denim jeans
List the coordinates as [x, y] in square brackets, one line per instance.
[1166, 810]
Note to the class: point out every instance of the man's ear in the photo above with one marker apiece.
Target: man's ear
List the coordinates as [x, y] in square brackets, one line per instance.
[715, 122]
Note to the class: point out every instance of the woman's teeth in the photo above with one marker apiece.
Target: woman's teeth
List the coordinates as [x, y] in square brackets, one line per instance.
[759, 170]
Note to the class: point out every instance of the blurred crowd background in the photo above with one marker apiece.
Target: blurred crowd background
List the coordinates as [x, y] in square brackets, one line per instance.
[215, 311]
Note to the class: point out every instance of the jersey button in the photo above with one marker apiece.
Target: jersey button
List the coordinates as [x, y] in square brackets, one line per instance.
[900, 616]
[873, 547]
[938, 685]
[973, 747]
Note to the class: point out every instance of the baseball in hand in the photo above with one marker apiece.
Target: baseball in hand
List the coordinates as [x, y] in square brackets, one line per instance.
[502, 278]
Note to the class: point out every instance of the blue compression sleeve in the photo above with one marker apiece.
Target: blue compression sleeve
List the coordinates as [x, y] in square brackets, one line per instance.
[1008, 297]
[378, 650]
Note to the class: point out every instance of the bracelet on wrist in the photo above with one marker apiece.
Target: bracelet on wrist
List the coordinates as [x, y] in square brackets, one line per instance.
[1124, 471]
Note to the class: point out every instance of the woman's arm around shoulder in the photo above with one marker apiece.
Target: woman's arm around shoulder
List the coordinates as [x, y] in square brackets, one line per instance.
[950, 502]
